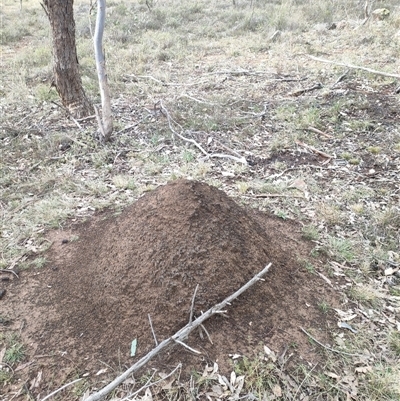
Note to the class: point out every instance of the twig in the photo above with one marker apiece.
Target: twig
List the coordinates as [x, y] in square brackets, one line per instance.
[76, 122]
[151, 78]
[356, 67]
[61, 388]
[274, 36]
[305, 378]
[197, 100]
[76, 141]
[192, 306]
[208, 155]
[151, 326]
[325, 346]
[147, 385]
[208, 335]
[309, 147]
[189, 348]
[340, 79]
[317, 131]
[229, 149]
[99, 123]
[179, 335]
[277, 196]
[86, 118]
[9, 271]
[305, 90]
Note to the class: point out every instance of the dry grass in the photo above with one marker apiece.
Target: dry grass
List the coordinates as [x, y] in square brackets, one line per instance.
[227, 81]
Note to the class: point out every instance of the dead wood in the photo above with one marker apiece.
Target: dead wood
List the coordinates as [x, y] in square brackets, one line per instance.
[355, 67]
[180, 335]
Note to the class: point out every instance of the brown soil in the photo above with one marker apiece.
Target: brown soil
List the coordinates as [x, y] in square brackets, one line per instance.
[105, 276]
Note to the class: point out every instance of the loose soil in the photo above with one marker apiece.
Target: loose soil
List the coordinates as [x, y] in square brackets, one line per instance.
[104, 277]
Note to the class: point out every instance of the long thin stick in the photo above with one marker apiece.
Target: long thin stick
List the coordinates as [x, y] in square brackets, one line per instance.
[326, 347]
[9, 271]
[61, 388]
[192, 306]
[179, 335]
[305, 378]
[148, 384]
[189, 348]
[152, 330]
[356, 67]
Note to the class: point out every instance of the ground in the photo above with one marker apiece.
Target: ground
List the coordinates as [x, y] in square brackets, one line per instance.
[96, 291]
[295, 160]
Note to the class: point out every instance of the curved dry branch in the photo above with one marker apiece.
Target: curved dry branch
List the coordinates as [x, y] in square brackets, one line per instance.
[180, 335]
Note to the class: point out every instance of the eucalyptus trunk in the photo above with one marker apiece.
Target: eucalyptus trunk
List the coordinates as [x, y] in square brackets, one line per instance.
[66, 76]
[106, 123]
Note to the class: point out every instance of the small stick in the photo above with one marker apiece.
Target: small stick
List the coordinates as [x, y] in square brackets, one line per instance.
[310, 89]
[208, 155]
[191, 308]
[277, 196]
[356, 67]
[317, 131]
[340, 79]
[326, 347]
[61, 388]
[323, 154]
[128, 398]
[151, 326]
[305, 378]
[189, 348]
[9, 271]
[99, 123]
[205, 331]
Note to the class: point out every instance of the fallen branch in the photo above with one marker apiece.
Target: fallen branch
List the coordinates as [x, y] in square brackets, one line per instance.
[355, 67]
[178, 336]
[202, 150]
[325, 346]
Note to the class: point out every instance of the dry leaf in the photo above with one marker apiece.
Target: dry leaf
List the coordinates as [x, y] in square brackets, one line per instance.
[299, 184]
[332, 375]
[270, 354]
[233, 378]
[217, 390]
[363, 369]
[36, 381]
[239, 385]
[277, 390]
[147, 395]
[101, 371]
[2, 352]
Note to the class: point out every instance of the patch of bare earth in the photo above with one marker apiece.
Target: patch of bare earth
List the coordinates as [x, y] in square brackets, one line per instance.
[106, 275]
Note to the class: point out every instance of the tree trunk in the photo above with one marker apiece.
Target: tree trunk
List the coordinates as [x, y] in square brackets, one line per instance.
[105, 125]
[67, 79]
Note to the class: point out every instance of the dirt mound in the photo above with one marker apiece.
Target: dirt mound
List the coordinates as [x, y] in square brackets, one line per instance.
[104, 277]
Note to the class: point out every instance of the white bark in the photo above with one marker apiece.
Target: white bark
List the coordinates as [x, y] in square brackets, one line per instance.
[106, 124]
